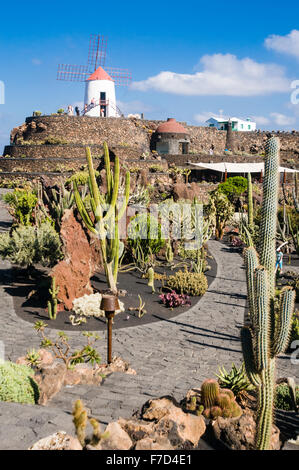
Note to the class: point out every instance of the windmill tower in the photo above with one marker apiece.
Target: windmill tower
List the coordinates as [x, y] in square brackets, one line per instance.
[100, 81]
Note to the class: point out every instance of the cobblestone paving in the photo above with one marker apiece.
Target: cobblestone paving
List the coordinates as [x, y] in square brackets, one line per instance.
[169, 356]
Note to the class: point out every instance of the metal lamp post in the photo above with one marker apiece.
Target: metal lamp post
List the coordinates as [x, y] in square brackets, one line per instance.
[109, 304]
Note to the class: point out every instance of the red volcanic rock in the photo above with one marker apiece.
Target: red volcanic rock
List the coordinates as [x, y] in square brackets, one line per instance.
[184, 191]
[81, 260]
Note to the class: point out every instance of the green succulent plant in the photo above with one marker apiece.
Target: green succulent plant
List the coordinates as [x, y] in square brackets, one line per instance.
[17, 383]
[184, 282]
[236, 380]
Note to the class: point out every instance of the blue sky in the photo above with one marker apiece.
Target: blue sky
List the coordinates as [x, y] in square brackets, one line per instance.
[188, 59]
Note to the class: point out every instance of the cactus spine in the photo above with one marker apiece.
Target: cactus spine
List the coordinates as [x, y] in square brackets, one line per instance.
[250, 201]
[268, 332]
[52, 304]
[104, 222]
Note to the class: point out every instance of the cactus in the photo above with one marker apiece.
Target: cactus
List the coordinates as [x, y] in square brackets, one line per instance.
[151, 278]
[250, 201]
[169, 253]
[209, 392]
[267, 334]
[216, 401]
[80, 420]
[104, 222]
[52, 304]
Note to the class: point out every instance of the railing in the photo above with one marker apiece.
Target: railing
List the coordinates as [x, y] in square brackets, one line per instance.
[101, 103]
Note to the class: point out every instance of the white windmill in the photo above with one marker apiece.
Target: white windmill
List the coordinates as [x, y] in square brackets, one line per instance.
[100, 81]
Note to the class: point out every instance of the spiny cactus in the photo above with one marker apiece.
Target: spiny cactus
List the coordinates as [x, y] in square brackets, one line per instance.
[267, 334]
[104, 222]
[52, 304]
[250, 201]
[169, 252]
[184, 282]
[80, 420]
[209, 392]
[218, 401]
[151, 278]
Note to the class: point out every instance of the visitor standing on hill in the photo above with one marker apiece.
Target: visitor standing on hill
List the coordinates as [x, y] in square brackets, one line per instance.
[70, 110]
[77, 111]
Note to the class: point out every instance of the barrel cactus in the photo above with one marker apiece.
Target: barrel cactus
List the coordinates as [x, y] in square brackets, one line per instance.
[268, 331]
[218, 401]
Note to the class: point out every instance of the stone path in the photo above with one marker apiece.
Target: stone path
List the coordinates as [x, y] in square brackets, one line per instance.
[169, 357]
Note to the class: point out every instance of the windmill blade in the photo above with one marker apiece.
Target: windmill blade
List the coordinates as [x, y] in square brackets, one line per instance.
[97, 51]
[122, 77]
[72, 73]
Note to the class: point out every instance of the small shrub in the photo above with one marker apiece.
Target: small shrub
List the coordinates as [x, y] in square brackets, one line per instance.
[184, 282]
[156, 168]
[27, 245]
[17, 383]
[52, 140]
[22, 203]
[295, 328]
[141, 232]
[61, 347]
[80, 177]
[233, 187]
[283, 399]
[60, 111]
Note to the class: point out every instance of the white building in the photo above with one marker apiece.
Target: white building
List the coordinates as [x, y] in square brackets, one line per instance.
[237, 124]
[100, 98]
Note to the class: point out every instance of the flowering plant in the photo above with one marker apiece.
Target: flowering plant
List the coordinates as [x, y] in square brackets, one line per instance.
[172, 299]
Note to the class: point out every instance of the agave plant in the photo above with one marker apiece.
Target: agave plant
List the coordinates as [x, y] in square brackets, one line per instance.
[236, 380]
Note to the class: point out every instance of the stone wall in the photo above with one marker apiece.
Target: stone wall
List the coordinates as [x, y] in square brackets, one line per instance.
[182, 160]
[129, 139]
[68, 151]
[137, 133]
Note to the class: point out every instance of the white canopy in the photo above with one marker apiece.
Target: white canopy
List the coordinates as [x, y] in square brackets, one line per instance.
[223, 167]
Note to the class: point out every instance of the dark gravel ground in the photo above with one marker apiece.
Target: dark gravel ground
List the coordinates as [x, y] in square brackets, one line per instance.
[34, 309]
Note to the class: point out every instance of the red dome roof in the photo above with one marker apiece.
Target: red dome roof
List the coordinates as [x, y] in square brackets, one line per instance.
[100, 74]
[171, 127]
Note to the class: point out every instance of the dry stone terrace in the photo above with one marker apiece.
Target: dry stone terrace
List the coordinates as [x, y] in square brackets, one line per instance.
[169, 357]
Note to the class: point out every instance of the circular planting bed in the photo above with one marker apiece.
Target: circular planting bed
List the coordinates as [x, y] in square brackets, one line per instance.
[32, 307]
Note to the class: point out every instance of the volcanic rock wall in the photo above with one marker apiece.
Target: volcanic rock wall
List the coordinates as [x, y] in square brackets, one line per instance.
[57, 143]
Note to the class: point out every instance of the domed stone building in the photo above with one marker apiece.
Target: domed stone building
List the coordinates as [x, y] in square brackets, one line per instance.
[171, 138]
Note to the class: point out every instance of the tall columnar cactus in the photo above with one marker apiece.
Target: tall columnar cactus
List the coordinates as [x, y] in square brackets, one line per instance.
[104, 221]
[250, 201]
[267, 334]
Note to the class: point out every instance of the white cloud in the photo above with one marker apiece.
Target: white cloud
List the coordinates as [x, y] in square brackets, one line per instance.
[288, 44]
[128, 107]
[222, 74]
[261, 120]
[282, 119]
[205, 115]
